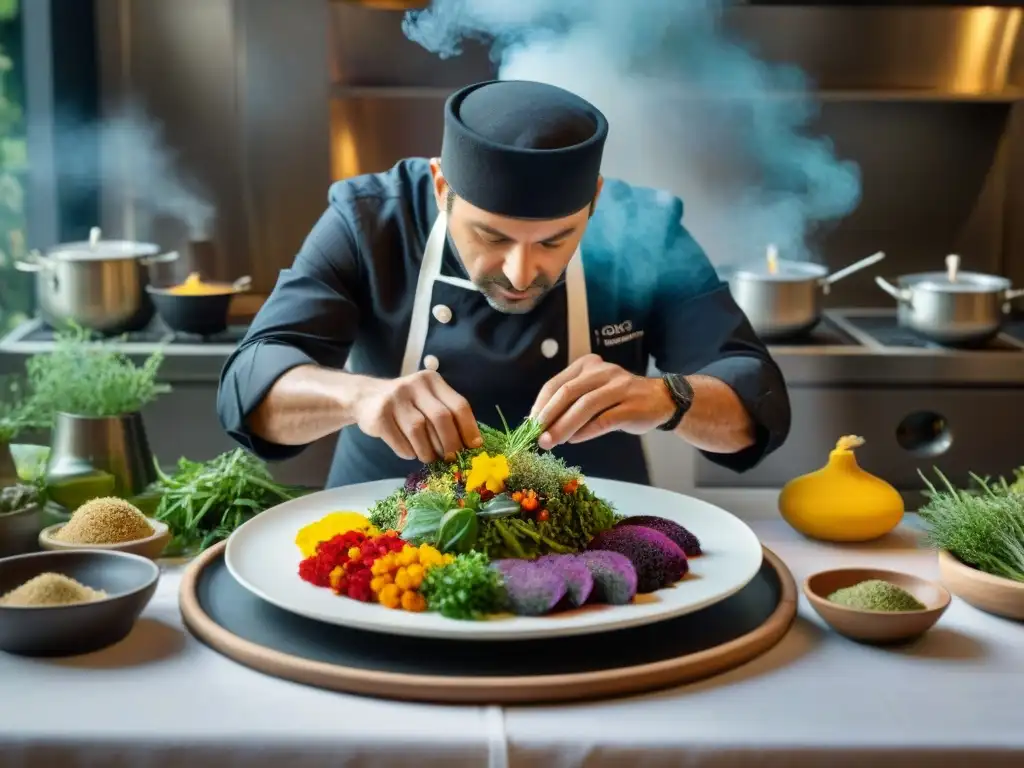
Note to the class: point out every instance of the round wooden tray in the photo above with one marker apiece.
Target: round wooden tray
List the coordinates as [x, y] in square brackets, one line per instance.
[228, 618]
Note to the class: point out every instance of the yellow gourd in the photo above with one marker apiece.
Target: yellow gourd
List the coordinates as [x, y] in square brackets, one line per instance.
[840, 501]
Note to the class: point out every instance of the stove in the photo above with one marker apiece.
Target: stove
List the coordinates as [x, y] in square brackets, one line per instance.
[35, 336]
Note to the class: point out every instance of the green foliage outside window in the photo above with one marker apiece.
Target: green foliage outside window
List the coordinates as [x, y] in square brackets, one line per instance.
[16, 288]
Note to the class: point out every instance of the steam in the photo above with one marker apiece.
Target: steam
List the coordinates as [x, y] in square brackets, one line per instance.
[689, 109]
[137, 164]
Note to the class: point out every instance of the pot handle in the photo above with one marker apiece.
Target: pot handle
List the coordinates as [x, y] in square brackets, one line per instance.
[163, 258]
[857, 266]
[902, 296]
[242, 284]
[36, 263]
[1013, 294]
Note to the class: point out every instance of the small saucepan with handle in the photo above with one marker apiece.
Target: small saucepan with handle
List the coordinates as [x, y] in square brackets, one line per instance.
[953, 308]
[195, 306]
[782, 298]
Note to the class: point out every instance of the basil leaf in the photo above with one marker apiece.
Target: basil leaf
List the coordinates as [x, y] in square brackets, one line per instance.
[501, 505]
[458, 530]
[421, 525]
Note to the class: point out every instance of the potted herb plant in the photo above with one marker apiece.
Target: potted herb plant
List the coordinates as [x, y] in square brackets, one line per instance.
[979, 534]
[93, 394]
[21, 513]
[16, 413]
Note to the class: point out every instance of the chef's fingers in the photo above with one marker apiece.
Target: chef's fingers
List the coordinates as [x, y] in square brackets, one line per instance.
[568, 394]
[462, 413]
[392, 435]
[442, 424]
[556, 383]
[602, 424]
[416, 430]
[579, 413]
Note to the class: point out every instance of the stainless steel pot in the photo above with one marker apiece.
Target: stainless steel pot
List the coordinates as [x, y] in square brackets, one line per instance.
[952, 307]
[783, 298]
[99, 285]
[116, 445]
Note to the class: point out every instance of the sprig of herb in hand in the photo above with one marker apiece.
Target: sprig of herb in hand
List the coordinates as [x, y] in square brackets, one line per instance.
[203, 502]
[91, 378]
[984, 530]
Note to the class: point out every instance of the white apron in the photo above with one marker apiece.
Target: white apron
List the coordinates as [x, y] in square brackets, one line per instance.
[577, 320]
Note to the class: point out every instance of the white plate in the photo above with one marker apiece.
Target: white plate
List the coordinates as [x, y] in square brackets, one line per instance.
[263, 557]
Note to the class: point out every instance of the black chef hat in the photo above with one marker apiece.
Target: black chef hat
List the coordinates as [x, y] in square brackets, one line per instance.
[522, 149]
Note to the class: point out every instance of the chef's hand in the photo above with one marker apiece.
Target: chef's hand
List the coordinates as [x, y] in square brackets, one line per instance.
[419, 416]
[591, 398]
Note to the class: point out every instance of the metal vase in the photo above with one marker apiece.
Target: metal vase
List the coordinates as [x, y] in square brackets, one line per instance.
[116, 445]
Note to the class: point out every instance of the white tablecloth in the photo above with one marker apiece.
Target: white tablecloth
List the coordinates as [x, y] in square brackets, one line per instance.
[161, 698]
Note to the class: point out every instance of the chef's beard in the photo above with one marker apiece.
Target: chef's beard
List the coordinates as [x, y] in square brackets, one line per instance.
[489, 286]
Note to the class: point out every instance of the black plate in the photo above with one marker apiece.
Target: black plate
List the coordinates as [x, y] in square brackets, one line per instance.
[238, 611]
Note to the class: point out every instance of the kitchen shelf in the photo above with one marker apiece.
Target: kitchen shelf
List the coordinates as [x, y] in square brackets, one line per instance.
[1005, 96]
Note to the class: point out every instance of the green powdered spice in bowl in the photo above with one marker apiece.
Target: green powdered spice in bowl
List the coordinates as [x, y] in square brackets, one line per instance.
[871, 605]
[876, 595]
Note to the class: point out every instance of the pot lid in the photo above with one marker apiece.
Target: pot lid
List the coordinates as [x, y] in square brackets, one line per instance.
[966, 282]
[955, 281]
[96, 249]
[774, 269]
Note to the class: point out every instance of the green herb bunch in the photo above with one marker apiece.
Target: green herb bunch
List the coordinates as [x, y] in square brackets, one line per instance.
[466, 588]
[984, 530]
[203, 502]
[91, 378]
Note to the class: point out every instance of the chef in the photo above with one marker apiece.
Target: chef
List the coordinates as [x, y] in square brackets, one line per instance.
[505, 274]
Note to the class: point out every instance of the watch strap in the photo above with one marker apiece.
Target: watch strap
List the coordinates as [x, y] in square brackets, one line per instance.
[681, 392]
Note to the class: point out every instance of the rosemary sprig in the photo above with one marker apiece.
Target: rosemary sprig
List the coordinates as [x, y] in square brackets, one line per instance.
[511, 442]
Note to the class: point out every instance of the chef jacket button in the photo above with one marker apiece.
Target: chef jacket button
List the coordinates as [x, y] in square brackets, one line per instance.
[549, 348]
[442, 313]
[431, 363]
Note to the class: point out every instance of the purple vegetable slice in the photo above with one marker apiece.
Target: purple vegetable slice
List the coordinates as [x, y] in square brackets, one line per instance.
[682, 538]
[656, 558]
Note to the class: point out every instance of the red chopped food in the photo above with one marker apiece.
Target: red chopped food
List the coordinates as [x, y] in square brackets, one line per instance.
[343, 562]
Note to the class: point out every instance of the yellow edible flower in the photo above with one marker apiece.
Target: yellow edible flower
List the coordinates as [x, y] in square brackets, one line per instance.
[330, 526]
[487, 471]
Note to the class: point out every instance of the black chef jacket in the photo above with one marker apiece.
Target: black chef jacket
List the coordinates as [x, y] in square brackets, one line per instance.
[651, 292]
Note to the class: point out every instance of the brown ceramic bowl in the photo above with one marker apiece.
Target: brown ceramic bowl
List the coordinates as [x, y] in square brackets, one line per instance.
[151, 547]
[984, 591]
[876, 626]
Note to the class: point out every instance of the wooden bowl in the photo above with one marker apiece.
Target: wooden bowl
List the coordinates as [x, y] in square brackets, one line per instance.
[66, 630]
[876, 626]
[993, 594]
[151, 547]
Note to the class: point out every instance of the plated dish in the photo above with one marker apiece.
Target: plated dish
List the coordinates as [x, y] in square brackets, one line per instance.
[504, 542]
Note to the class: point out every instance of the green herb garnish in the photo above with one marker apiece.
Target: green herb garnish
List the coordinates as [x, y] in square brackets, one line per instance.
[204, 502]
[91, 378]
[984, 530]
[467, 588]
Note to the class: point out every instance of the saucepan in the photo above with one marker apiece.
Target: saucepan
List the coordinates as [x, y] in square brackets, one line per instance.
[195, 306]
[99, 285]
[953, 308]
[782, 298]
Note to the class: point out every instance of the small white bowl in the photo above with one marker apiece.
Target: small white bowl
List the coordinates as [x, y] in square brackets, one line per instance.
[151, 546]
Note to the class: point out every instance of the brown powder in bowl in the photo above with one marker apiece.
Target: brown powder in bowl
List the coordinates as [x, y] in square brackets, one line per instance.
[50, 589]
[105, 521]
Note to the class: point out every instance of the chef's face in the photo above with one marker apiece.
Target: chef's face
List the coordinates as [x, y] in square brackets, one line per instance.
[514, 262]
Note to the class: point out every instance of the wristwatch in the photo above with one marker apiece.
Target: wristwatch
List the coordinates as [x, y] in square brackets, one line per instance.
[682, 395]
